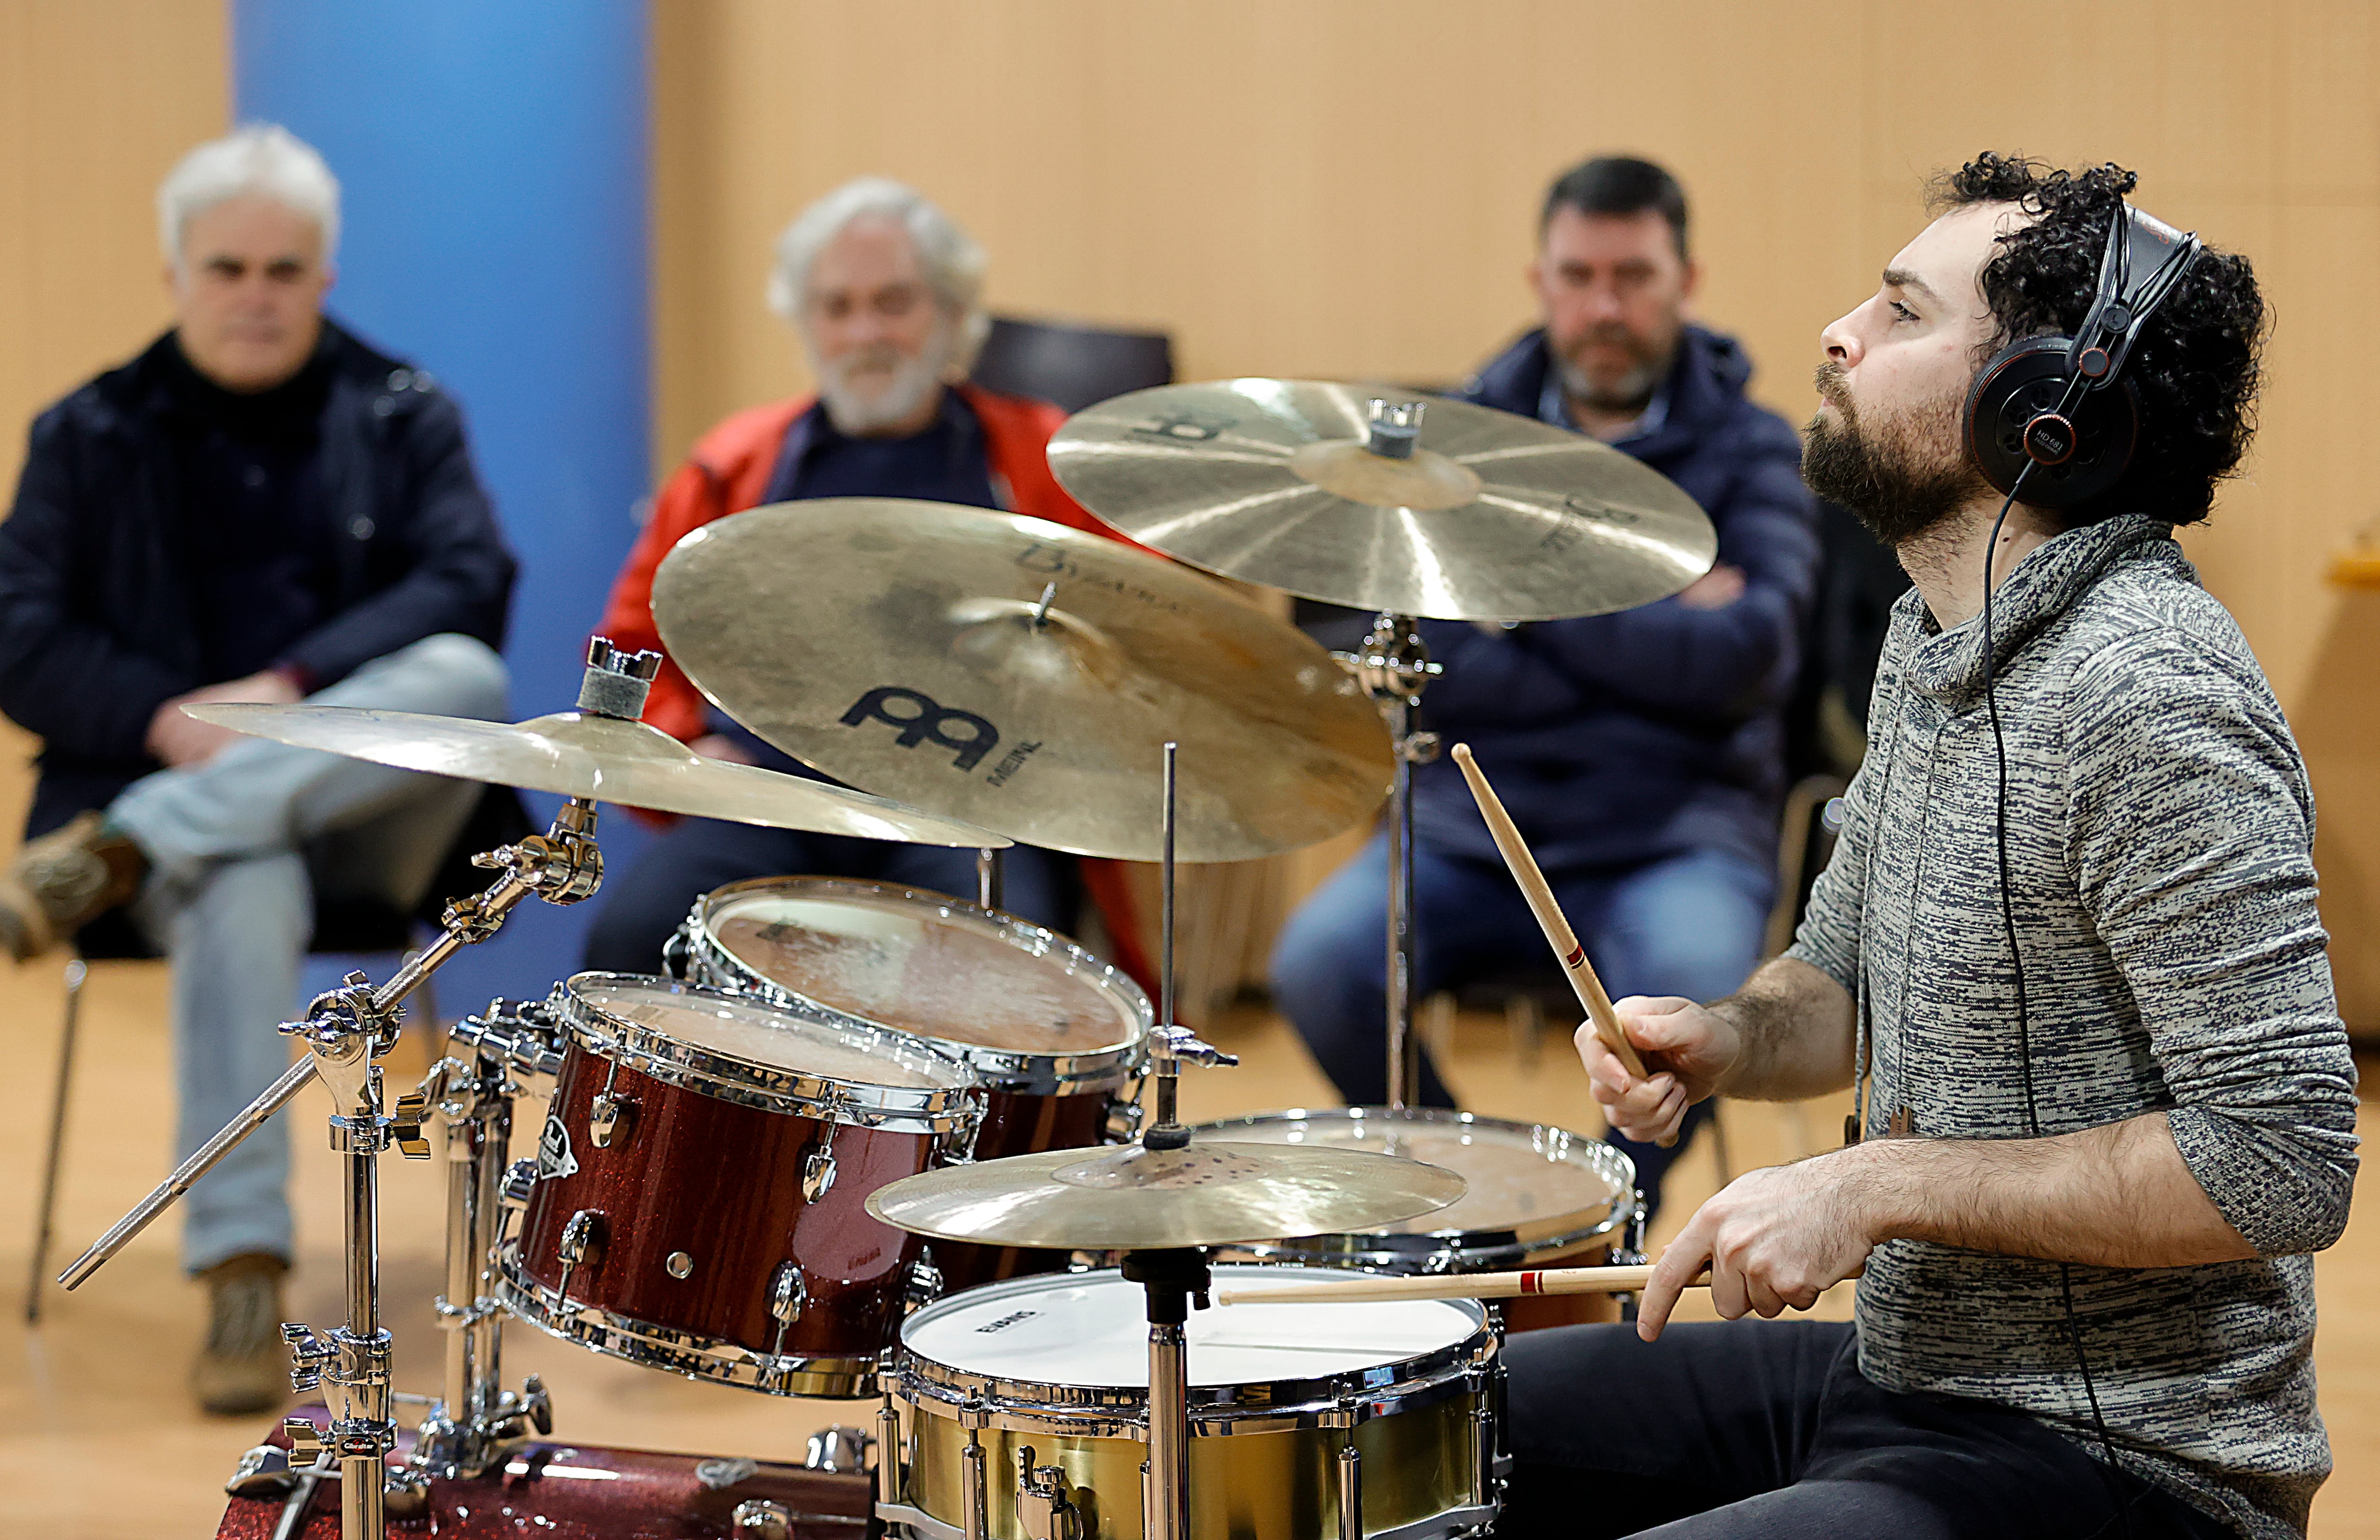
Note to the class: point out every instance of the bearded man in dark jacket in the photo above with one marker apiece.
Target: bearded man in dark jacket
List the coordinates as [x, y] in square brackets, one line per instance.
[259, 507]
[1641, 754]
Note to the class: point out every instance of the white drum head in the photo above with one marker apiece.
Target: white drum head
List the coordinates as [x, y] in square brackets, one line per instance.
[1092, 1331]
[752, 1033]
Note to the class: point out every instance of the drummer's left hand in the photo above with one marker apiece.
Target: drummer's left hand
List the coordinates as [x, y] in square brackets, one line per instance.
[1775, 1237]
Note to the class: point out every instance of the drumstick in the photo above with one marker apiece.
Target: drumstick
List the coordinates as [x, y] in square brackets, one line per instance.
[1580, 972]
[1456, 1286]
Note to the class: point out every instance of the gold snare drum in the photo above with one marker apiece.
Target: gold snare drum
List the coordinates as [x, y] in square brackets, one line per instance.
[1050, 1375]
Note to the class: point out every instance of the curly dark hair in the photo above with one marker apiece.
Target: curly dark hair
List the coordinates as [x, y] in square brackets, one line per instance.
[2196, 365]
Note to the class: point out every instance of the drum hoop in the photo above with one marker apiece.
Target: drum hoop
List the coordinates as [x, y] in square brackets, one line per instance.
[1250, 1406]
[1010, 1070]
[652, 1051]
[1480, 1250]
[681, 1352]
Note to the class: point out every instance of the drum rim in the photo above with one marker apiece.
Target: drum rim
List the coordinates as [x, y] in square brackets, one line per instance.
[1010, 1070]
[1121, 1412]
[652, 1051]
[1476, 1250]
[648, 1345]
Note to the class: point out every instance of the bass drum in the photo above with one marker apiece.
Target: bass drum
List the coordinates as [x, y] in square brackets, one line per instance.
[1539, 1196]
[1056, 1038]
[1050, 1377]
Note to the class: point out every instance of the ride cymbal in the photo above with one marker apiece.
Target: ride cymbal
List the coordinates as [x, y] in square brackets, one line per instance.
[1128, 1198]
[1021, 675]
[1487, 517]
[574, 754]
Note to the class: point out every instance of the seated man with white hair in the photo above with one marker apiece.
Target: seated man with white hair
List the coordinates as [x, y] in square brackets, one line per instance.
[258, 507]
[884, 291]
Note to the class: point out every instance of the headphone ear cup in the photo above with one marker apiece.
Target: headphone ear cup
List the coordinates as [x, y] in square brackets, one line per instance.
[2023, 382]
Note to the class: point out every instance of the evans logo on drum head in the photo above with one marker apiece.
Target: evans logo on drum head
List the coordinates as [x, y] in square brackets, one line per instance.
[553, 1157]
[1008, 1320]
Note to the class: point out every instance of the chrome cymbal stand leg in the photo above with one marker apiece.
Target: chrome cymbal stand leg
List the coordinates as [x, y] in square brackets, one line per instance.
[77, 971]
[1394, 666]
[1169, 1044]
[988, 877]
[1173, 1278]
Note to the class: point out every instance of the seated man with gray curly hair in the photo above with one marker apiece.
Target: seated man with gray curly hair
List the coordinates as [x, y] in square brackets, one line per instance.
[261, 507]
[885, 292]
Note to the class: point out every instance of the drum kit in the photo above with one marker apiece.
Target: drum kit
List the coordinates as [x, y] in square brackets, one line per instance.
[873, 1143]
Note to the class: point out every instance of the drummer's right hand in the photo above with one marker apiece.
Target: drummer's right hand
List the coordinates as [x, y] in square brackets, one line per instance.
[1685, 1048]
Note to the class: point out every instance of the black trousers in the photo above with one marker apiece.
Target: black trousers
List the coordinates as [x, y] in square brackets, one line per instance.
[1766, 1430]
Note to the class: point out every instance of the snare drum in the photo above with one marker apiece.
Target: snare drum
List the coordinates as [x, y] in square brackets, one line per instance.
[699, 1202]
[1539, 1196]
[1059, 1367]
[1056, 1036]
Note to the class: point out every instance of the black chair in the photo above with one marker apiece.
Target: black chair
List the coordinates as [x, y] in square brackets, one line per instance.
[1068, 365]
[341, 925]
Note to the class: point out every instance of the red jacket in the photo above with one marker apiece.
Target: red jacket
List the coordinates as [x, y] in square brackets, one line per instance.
[729, 471]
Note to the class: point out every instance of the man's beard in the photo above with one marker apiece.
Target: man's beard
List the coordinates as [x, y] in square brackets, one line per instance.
[1900, 477]
[913, 382]
[1632, 390]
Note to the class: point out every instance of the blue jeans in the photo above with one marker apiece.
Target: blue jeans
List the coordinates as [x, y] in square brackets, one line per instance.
[1689, 925]
[237, 848]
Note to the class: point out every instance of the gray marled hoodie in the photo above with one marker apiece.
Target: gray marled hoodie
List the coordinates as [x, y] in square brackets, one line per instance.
[2160, 839]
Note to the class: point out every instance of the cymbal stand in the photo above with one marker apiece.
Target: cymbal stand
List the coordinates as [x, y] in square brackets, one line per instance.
[474, 1421]
[1172, 1277]
[346, 1031]
[1393, 665]
[988, 877]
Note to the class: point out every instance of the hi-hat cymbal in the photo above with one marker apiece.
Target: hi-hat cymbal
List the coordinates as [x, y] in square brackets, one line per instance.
[1128, 1198]
[571, 754]
[1493, 517]
[1021, 675]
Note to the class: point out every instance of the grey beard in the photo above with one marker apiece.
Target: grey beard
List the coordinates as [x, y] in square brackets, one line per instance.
[1633, 392]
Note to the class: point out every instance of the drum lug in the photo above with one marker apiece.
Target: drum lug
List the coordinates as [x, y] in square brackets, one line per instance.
[611, 1118]
[788, 1296]
[925, 1281]
[581, 1245]
[891, 1467]
[818, 1169]
[1043, 1507]
[1630, 1252]
[677, 952]
[1350, 1489]
[974, 1506]
[1124, 1113]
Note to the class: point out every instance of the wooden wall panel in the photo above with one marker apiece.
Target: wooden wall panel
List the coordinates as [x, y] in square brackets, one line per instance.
[98, 99]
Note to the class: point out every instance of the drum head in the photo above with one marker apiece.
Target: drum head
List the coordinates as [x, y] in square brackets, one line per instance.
[719, 1025]
[1527, 1179]
[922, 963]
[1091, 1331]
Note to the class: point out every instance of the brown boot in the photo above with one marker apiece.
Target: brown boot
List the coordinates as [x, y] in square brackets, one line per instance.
[63, 881]
[244, 1368]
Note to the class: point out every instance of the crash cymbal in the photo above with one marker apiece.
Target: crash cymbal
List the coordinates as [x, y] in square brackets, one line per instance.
[905, 646]
[603, 757]
[1128, 1198]
[1492, 517]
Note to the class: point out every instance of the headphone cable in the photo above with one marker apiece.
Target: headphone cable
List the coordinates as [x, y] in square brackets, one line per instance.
[2023, 1032]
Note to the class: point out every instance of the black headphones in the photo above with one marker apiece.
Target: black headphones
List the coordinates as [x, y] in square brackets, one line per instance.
[2045, 402]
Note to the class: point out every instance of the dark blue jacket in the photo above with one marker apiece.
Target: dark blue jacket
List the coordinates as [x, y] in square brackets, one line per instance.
[96, 615]
[1619, 738]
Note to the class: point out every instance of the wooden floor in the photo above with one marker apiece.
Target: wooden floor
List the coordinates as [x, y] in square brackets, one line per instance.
[99, 1439]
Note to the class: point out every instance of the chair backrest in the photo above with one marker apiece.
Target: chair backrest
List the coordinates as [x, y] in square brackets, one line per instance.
[1071, 365]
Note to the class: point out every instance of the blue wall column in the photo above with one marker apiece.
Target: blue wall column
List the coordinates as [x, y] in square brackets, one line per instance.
[492, 160]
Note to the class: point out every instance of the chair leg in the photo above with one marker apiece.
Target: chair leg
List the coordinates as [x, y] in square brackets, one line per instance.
[1524, 1023]
[77, 971]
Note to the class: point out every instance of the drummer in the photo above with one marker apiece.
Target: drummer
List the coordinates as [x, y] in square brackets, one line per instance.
[2095, 1163]
[884, 291]
[1641, 754]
